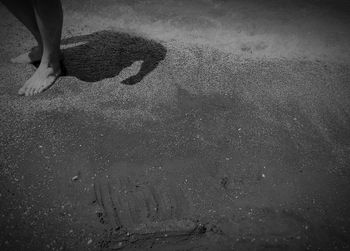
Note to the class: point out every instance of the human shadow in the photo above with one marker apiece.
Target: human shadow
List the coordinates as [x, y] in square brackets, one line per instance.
[104, 54]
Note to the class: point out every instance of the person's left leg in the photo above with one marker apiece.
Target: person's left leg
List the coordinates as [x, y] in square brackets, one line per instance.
[23, 10]
[49, 19]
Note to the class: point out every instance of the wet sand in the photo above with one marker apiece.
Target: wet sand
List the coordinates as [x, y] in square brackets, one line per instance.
[161, 136]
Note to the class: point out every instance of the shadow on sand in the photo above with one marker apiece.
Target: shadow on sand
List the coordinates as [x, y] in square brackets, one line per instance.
[105, 54]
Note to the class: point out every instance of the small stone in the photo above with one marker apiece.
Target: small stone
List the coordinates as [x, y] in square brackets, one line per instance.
[89, 242]
[263, 175]
[75, 178]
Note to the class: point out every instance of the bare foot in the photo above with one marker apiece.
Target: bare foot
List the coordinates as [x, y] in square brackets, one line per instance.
[32, 56]
[43, 78]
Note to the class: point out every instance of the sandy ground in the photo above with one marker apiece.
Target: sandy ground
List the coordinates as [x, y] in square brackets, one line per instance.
[181, 125]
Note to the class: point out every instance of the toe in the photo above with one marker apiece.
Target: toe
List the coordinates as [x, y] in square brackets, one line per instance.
[41, 89]
[22, 91]
[32, 91]
[26, 93]
[29, 91]
[38, 90]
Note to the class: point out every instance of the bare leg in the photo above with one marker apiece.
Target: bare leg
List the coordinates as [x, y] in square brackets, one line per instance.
[49, 19]
[23, 10]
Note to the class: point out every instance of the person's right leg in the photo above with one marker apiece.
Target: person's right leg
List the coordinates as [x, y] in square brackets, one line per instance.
[49, 18]
[24, 11]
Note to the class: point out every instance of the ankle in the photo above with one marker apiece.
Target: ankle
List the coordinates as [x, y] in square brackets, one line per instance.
[51, 67]
[53, 60]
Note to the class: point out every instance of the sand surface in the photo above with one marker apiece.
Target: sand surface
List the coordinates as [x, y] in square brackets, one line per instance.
[181, 125]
